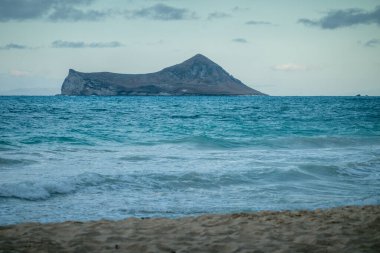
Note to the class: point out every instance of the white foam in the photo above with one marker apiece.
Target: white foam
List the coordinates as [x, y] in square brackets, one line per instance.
[41, 190]
[24, 190]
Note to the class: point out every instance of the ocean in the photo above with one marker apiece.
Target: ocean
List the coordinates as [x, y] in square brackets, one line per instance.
[90, 158]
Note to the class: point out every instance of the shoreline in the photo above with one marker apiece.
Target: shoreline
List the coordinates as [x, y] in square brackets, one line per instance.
[339, 229]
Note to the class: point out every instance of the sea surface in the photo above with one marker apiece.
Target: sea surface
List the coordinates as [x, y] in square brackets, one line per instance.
[89, 158]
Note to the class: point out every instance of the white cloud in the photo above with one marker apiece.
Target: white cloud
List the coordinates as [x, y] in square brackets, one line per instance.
[163, 12]
[240, 40]
[81, 44]
[218, 15]
[18, 73]
[372, 43]
[290, 67]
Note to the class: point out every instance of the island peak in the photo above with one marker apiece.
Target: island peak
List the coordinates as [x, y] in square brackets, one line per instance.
[196, 76]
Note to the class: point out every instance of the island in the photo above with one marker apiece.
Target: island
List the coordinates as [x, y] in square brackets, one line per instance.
[195, 76]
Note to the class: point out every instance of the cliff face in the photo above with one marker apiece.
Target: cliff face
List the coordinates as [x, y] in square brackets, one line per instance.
[195, 76]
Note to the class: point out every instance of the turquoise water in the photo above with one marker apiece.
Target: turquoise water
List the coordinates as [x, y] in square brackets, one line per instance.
[87, 158]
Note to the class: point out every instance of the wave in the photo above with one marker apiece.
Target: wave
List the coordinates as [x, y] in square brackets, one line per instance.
[136, 158]
[323, 141]
[175, 182]
[327, 173]
[33, 190]
[38, 190]
[292, 142]
[196, 116]
[7, 145]
[207, 142]
[220, 141]
[321, 171]
[56, 139]
[5, 162]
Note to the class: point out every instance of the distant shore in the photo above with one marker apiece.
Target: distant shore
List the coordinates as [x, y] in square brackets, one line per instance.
[341, 229]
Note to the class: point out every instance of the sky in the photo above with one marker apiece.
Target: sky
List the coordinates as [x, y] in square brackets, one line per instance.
[282, 48]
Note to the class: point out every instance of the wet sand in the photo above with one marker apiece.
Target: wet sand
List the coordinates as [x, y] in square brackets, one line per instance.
[343, 229]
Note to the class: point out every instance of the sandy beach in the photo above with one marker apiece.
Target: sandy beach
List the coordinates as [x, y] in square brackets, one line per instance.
[343, 229]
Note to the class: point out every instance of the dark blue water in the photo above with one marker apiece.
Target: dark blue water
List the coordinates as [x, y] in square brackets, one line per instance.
[85, 158]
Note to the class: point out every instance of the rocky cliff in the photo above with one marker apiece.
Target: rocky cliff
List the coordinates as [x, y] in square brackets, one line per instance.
[195, 76]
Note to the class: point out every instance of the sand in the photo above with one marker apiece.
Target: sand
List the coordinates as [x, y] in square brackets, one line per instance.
[343, 229]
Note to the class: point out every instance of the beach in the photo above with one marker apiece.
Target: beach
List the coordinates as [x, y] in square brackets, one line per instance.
[341, 229]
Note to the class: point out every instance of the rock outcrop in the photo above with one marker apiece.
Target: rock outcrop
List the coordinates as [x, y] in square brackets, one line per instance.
[195, 76]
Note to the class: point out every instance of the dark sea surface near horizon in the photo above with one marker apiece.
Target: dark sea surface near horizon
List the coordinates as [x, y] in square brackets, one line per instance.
[88, 158]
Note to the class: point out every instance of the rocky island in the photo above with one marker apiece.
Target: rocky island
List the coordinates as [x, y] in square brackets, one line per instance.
[195, 76]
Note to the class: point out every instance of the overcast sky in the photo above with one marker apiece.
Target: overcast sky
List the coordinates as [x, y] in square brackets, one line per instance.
[289, 47]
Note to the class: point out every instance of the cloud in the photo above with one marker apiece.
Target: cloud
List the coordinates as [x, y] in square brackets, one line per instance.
[240, 40]
[72, 14]
[78, 10]
[372, 43]
[81, 44]
[18, 73]
[53, 10]
[24, 9]
[254, 22]
[344, 18]
[290, 67]
[237, 9]
[13, 46]
[162, 12]
[218, 15]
